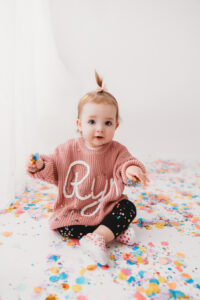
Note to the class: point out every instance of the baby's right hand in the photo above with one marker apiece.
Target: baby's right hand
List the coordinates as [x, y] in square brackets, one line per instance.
[34, 166]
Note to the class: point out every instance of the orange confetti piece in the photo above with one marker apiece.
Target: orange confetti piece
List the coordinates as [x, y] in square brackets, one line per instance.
[37, 289]
[52, 297]
[65, 286]
[186, 275]
[180, 254]
[7, 233]
[126, 256]
[176, 223]
[91, 267]
[172, 285]
[70, 243]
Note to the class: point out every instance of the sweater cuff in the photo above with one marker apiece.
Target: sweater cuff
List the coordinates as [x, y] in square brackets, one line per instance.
[133, 162]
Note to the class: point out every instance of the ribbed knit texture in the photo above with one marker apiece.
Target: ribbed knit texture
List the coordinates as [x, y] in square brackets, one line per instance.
[90, 181]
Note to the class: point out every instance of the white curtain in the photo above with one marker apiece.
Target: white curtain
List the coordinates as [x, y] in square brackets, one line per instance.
[26, 49]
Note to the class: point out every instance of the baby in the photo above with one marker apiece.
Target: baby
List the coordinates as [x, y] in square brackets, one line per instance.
[90, 172]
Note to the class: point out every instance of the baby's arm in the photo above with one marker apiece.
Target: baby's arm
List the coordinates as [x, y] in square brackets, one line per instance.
[42, 167]
[130, 168]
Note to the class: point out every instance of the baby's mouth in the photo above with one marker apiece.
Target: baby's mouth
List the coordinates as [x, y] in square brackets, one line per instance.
[98, 137]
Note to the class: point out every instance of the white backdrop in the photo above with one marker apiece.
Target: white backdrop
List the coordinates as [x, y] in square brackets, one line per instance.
[148, 54]
[146, 51]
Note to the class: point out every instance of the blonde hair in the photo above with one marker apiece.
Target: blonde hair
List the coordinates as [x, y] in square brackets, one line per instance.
[101, 95]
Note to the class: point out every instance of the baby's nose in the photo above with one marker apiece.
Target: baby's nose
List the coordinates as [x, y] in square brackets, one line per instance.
[99, 127]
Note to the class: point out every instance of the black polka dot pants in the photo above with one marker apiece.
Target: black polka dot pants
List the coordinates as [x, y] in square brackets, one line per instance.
[117, 221]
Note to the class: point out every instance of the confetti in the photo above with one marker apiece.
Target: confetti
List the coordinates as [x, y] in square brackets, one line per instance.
[153, 268]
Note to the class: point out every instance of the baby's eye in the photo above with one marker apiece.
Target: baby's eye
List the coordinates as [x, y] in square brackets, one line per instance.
[108, 123]
[91, 122]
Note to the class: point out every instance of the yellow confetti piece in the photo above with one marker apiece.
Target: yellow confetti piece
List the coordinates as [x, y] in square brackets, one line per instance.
[149, 227]
[37, 289]
[177, 263]
[91, 267]
[7, 233]
[161, 279]
[139, 259]
[112, 257]
[82, 272]
[171, 285]
[122, 276]
[153, 288]
[52, 297]
[143, 249]
[76, 288]
[160, 225]
[54, 270]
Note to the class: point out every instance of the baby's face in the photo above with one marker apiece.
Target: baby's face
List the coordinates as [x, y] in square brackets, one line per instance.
[97, 123]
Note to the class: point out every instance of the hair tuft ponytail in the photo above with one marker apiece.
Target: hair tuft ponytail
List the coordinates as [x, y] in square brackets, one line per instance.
[99, 80]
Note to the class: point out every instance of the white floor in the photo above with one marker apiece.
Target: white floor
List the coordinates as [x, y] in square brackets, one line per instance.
[35, 262]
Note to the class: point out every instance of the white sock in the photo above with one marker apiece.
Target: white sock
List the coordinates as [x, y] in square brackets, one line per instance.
[94, 245]
[127, 237]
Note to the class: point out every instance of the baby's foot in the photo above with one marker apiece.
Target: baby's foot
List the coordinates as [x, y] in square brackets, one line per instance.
[94, 245]
[127, 237]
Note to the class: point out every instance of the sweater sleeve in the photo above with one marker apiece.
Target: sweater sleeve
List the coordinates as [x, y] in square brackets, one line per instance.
[123, 161]
[49, 172]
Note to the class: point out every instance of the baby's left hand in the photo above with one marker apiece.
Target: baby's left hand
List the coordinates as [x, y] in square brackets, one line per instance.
[135, 174]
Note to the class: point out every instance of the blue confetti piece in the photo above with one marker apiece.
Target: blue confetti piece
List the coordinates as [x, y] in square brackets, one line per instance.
[80, 280]
[130, 262]
[190, 280]
[54, 278]
[198, 286]
[176, 294]
[98, 264]
[62, 276]
[141, 274]
[131, 279]
[36, 156]
[154, 280]
[135, 248]
[53, 257]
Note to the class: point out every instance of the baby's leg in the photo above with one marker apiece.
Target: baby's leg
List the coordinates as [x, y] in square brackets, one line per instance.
[75, 231]
[104, 231]
[111, 227]
[119, 219]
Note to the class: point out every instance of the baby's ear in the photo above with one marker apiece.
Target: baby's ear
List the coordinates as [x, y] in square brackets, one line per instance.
[116, 126]
[78, 124]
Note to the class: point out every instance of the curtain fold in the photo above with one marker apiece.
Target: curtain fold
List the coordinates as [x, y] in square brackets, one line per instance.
[23, 24]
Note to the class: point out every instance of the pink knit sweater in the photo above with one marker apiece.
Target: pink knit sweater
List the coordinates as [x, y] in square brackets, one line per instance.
[90, 181]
